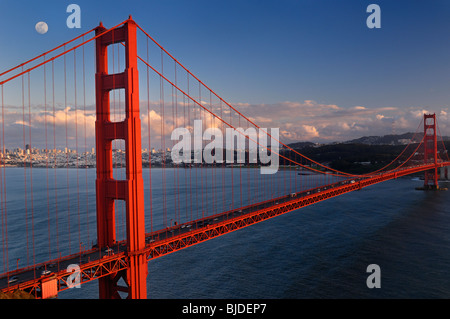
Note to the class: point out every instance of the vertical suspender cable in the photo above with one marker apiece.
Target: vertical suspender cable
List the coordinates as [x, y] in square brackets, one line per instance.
[232, 169]
[76, 144]
[224, 208]
[25, 166]
[196, 174]
[213, 177]
[46, 161]
[85, 147]
[190, 168]
[240, 166]
[163, 145]
[177, 165]
[3, 204]
[66, 111]
[149, 145]
[175, 201]
[54, 156]
[201, 161]
[31, 169]
[185, 168]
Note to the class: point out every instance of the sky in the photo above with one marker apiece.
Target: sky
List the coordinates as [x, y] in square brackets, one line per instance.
[310, 67]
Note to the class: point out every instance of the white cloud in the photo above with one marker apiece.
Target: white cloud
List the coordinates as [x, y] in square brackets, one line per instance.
[74, 119]
[419, 113]
[311, 131]
[20, 122]
[297, 121]
[310, 120]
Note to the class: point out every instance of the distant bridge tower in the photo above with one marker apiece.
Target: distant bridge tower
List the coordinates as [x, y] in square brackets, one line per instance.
[430, 151]
[108, 189]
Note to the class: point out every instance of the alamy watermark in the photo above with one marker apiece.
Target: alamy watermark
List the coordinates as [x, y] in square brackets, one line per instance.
[252, 146]
[373, 21]
[73, 281]
[74, 19]
[374, 279]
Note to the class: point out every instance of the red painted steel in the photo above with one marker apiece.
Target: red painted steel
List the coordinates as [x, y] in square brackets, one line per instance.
[49, 288]
[103, 266]
[114, 265]
[131, 189]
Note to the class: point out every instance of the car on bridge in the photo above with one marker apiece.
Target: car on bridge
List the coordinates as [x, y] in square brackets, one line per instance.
[13, 279]
[45, 272]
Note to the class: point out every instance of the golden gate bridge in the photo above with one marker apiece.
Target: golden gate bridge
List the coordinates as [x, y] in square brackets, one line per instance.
[142, 93]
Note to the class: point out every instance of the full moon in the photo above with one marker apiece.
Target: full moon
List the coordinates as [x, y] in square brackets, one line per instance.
[41, 27]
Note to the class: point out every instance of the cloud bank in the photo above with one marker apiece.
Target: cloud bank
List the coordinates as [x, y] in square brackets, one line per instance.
[312, 121]
[297, 121]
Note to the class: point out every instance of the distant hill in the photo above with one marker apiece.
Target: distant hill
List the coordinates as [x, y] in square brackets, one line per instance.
[391, 139]
[362, 155]
[300, 145]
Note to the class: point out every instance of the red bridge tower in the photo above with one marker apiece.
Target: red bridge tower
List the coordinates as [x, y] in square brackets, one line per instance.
[108, 189]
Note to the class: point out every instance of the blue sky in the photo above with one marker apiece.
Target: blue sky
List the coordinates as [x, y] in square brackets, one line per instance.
[296, 56]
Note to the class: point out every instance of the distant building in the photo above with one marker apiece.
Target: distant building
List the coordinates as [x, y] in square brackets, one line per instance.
[404, 141]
